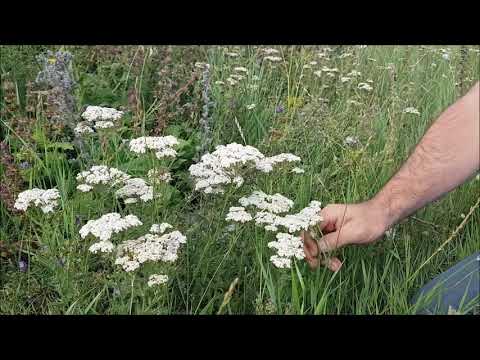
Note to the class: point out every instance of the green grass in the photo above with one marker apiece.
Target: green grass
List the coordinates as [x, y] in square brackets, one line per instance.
[375, 279]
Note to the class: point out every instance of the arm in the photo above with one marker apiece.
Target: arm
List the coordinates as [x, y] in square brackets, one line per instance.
[447, 156]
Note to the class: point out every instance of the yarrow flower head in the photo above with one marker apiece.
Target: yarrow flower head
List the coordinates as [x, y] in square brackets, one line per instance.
[266, 164]
[47, 200]
[268, 214]
[241, 69]
[227, 163]
[100, 175]
[160, 229]
[158, 175]
[287, 246]
[238, 214]
[354, 73]
[135, 189]
[365, 86]
[99, 118]
[107, 225]
[276, 203]
[302, 220]
[237, 77]
[273, 58]
[297, 170]
[102, 246]
[231, 81]
[219, 167]
[83, 128]
[411, 110]
[150, 247]
[98, 113]
[162, 145]
[157, 279]
[270, 51]
[351, 141]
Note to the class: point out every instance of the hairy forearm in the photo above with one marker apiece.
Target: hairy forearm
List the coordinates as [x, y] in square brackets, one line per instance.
[446, 156]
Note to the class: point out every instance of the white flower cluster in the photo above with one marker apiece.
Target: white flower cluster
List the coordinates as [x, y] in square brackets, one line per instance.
[83, 128]
[105, 246]
[157, 175]
[329, 70]
[241, 69]
[302, 220]
[98, 113]
[99, 118]
[201, 65]
[162, 145]
[45, 199]
[266, 164]
[270, 51]
[273, 58]
[218, 168]
[354, 73]
[100, 175]
[276, 203]
[288, 247]
[157, 279]
[150, 247]
[365, 86]
[233, 79]
[225, 164]
[351, 141]
[160, 229]
[411, 110]
[238, 214]
[269, 206]
[297, 170]
[104, 227]
[269, 54]
[135, 189]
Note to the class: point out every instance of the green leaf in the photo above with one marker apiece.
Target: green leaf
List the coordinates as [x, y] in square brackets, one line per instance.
[60, 145]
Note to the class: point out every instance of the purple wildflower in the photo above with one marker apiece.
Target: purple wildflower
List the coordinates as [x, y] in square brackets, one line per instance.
[22, 266]
[279, 109]
[24, 165]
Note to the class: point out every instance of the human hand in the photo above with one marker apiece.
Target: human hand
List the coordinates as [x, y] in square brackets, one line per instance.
[344, 224]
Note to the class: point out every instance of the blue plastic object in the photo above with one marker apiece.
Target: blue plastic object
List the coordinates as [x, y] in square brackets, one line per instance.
[456, 289]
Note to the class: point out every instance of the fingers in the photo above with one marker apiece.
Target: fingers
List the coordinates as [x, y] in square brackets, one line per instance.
[330, 242]
[310, 245]
[331, 215]
[313, 262]
[333, 264]
[310, 248]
